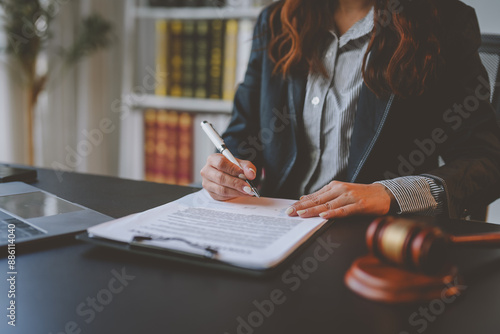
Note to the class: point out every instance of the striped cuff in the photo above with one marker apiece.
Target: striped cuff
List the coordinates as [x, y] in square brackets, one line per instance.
[416, 194]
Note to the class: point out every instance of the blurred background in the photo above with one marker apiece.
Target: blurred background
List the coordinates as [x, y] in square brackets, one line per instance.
[119, 87]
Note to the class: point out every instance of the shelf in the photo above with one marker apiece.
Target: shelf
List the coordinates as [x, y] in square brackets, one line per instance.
[182, 104]
[197, 13]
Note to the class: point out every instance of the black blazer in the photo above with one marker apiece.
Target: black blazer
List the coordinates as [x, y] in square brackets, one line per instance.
[391, 137]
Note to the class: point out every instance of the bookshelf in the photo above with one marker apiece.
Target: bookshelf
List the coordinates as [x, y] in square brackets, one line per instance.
[195, 105]
[138, 51]
[196, 13]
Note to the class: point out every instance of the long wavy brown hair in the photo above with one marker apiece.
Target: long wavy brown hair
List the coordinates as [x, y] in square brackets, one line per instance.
[404, 51]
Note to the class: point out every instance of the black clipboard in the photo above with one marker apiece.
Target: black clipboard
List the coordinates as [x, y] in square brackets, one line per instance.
[199, 260]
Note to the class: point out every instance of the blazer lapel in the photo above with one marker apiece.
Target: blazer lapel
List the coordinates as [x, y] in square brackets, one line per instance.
[295, 102]
[296, 96]
[370, 118]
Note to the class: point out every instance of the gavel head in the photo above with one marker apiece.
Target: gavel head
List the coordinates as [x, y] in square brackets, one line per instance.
[408, 243]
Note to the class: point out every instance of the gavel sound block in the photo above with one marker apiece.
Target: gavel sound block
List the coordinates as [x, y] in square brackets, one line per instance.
[409, 261]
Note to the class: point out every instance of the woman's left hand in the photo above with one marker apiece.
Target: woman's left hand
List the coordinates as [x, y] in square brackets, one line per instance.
[341, 199]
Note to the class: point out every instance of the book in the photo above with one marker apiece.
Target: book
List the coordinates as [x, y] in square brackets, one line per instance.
[201, 56]
[185, 149]
[161, 57]
[161, 147]
[230, 53]
[175, 58]
[171, 147]
[245, 232]
[150, 144]
[188, 56]
[216, 57]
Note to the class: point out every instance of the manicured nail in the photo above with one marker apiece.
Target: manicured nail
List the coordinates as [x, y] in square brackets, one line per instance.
[248, 190]
[289, 211]
[252, 171]
[242, 176]
[301, 212]
[323, 214]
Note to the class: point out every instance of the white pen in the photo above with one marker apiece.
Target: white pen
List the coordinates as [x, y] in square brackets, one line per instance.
[219, 144]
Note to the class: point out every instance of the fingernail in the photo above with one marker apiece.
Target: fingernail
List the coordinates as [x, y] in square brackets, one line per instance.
[252, 171]
[248, 190]
[242, 176]
[302, 197]
[323, 214]
[301, 212]
[289, 211]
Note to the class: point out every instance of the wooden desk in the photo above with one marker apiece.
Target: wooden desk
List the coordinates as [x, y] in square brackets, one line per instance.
[72, 287]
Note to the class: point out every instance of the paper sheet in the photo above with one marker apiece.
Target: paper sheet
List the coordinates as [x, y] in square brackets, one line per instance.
[247, 232]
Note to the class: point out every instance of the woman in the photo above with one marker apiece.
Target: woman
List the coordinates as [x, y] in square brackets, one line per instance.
[367, 93]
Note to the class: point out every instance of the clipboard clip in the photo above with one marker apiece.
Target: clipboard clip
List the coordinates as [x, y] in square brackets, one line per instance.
[210, 252]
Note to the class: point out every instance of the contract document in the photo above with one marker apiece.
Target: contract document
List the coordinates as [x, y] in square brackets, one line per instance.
[248, 232]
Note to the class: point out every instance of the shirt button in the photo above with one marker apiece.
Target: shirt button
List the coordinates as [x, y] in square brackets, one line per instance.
[315, 100]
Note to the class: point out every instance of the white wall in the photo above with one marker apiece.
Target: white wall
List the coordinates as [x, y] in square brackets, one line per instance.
[488, 13]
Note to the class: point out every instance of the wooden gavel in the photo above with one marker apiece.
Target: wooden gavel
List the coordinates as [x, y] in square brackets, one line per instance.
[419, 246]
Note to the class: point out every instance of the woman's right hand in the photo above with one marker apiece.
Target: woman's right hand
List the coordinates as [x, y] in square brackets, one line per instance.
[224, 180]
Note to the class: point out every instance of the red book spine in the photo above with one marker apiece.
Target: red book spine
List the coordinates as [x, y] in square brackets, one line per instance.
[149, 144]
[161, 146]
[170, 171]
[185, 149]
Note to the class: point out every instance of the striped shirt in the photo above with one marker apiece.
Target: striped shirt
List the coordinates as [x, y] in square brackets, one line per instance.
[329, 110]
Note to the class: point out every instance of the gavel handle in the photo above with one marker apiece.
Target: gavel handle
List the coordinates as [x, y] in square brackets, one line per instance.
[478, 240]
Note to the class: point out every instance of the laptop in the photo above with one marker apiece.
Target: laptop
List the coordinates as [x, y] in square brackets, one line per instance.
[29, 214]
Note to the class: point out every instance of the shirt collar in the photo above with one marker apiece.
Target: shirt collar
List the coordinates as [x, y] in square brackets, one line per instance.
[360, 29]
